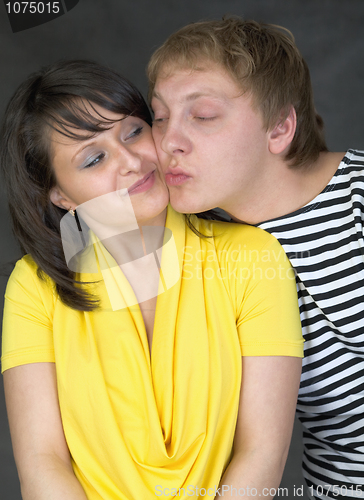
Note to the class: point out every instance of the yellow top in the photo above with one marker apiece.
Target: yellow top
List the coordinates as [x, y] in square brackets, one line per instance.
[142, 426]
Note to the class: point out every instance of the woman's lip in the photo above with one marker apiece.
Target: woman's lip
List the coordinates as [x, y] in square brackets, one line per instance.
[143, 184]
[176, 179]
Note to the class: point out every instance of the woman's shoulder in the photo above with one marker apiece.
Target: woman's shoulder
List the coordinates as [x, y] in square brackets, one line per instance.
[25, 268]
[26, 264]
[27, 277]
[232, 233]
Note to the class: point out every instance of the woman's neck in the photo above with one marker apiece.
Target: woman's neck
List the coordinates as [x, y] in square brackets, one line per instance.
[127, 244]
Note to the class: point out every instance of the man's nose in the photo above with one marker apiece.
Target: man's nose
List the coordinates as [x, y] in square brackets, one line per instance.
[175, 140]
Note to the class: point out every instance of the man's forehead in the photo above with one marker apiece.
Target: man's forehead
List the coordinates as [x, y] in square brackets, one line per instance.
[201, 65]
[191, 83]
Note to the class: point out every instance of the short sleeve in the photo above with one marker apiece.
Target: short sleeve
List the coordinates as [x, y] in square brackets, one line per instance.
[268, 317]
[27, 335]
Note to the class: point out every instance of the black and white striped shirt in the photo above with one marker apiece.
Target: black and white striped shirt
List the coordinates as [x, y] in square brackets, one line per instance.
[324, 241]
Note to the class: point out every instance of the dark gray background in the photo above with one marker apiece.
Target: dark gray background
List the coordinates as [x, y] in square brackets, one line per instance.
[124, 33]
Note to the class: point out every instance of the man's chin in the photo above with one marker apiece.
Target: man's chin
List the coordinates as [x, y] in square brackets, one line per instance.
[178, 207]
[185, 206]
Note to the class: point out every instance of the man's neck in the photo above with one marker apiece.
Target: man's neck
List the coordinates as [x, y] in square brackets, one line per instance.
[289, 190]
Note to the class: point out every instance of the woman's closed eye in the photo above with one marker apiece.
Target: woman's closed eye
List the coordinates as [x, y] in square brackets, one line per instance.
[100, 157]
[95, 161]
[135, 133]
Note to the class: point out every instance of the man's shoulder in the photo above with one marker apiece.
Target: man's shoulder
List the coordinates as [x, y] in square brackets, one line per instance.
[354, 154]
[354, 158]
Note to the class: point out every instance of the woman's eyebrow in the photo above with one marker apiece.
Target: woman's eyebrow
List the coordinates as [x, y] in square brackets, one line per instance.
[81, 149]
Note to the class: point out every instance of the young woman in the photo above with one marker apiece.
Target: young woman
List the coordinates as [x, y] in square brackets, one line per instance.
[137, 345]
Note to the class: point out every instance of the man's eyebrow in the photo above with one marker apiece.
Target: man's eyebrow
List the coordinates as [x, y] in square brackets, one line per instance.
[195, 95]
[205, 93]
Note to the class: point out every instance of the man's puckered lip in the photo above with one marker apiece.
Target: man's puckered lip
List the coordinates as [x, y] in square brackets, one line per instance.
[176, 171]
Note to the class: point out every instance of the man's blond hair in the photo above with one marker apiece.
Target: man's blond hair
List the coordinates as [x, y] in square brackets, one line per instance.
[264, 61]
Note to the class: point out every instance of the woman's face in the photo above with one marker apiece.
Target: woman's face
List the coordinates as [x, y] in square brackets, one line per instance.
[111, 174]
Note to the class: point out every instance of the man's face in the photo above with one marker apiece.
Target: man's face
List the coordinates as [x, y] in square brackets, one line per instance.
[211, 143]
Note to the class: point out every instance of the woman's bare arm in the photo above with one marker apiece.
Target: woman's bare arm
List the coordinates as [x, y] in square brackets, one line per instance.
[265, 421]
[40, 449]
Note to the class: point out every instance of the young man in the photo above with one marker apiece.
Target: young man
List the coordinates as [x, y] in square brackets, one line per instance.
[236, 128]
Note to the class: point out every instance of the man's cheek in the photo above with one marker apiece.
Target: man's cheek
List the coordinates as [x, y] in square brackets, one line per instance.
[157, 138]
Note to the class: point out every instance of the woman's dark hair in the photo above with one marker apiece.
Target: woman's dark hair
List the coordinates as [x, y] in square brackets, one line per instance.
[55, 98]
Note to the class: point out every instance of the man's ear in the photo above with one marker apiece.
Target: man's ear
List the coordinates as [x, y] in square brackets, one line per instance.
[58, 198]
[281, 136]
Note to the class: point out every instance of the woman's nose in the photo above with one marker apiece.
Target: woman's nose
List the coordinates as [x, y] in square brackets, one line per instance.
[128, 160]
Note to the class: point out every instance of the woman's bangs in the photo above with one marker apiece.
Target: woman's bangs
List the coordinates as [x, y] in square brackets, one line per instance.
[77, 116]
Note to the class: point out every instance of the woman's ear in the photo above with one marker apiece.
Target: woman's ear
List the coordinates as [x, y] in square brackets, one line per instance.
[281, 136]
[57, 198]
